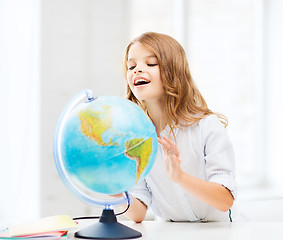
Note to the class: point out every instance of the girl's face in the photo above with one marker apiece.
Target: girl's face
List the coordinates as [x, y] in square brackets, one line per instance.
[143, 74]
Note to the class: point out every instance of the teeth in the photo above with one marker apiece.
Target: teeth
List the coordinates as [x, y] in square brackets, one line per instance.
[141, 81]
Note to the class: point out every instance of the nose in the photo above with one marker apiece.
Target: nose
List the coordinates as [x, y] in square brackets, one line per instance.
[138, 69]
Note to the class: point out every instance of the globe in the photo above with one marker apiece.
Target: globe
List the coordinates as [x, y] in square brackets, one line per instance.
[104, 145]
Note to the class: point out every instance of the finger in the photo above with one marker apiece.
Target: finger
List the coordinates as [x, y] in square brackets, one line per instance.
[117, 195]
[164, 144]
[176, 150]
[168, 139]
[176, 159]
[173, 146]
[167, 142]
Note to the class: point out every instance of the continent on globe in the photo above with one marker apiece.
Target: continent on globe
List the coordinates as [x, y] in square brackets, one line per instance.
[139, 150]
[95, 123]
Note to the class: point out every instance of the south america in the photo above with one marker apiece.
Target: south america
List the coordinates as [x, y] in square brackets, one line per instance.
[139, 150]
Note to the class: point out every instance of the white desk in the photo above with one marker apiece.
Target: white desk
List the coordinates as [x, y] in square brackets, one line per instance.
[205, 231]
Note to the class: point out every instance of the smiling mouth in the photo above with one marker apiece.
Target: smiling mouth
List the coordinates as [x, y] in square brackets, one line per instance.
[141, 81]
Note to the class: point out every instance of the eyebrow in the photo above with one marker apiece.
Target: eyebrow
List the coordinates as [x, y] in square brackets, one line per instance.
[149, 56]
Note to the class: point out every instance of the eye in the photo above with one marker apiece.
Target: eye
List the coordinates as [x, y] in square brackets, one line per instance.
[152, 64]
[131, 67]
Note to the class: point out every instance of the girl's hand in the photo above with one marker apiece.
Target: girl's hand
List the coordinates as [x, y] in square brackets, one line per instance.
[213, 194]
[171, 159]
[117, 195]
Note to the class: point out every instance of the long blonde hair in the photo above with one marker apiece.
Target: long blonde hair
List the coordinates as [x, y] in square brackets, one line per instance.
[184, 104]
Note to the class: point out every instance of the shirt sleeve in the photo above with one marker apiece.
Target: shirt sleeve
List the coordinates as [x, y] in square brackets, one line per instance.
[142, 192]
[218, 154]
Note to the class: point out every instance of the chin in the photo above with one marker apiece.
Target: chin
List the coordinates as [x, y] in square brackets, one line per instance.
[147, 95]
[140, 97]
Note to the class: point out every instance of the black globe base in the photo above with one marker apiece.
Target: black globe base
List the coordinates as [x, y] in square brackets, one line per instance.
[108, 228]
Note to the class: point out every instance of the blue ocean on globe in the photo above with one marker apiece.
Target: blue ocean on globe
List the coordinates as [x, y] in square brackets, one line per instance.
[108, 145]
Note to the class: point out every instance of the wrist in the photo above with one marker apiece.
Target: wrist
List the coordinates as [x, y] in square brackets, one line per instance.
[180, 179]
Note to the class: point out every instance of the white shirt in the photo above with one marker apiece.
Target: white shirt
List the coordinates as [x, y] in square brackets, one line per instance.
[206, 152]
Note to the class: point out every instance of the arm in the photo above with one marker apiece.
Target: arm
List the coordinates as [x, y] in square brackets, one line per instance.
[137, 210]
[211, 193]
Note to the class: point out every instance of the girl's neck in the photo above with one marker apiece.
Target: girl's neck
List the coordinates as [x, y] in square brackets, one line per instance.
[155, 112]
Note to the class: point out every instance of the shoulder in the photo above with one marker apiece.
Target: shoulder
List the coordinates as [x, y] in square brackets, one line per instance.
[210, 119]
[211, 127]
[207, 126]
[210, 122]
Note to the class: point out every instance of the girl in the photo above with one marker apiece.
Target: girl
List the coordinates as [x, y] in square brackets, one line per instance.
[193, 175]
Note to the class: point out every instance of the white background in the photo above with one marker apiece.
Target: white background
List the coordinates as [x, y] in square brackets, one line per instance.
[52, 49]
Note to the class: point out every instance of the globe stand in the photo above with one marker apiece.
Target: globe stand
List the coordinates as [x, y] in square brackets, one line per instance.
[108, 228]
